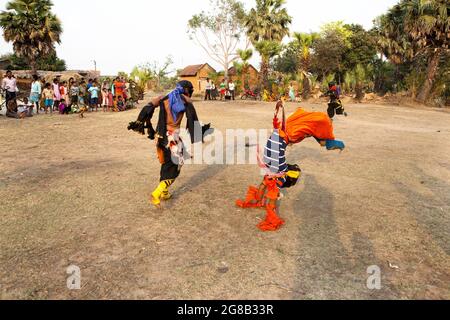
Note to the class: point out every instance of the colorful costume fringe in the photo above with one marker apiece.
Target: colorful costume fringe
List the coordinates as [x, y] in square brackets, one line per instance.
[278, 174]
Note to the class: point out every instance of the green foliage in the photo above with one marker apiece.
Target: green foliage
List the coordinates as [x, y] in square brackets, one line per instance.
[330, 49]
[362, 49]
[160, 73]
[47, 63]
[32, 28]
[267, 24]
[415, 28]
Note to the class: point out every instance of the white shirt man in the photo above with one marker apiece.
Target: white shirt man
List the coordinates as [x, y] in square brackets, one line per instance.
[9, 84]
[232, 88]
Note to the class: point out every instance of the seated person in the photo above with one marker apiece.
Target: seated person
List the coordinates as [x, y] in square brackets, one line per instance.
[63, 107]
[11, 109]
[121, 104]
[25, 109]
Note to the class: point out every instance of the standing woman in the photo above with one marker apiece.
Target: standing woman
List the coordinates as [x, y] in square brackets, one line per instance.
[36, 91]
[56, 95]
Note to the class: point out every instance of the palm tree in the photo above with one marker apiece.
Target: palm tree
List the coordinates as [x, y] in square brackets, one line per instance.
[32, 28]
[267, 25]
[267, 50]
[304, 42]
[245, 56]
[417, 27]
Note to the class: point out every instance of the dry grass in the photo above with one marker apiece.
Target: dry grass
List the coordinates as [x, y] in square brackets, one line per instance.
[75, 191]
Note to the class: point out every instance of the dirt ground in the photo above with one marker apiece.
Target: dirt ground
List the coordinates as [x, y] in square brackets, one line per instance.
[75, 192]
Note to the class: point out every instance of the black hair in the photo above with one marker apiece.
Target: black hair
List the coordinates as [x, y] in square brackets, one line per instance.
[187, 85]
[35, 77]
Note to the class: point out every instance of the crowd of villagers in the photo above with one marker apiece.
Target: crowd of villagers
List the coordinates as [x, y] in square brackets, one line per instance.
[67, 97]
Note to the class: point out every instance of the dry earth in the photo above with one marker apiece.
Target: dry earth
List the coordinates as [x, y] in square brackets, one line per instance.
[74, 192]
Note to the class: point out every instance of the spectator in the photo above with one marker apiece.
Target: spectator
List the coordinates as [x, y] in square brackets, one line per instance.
[74, 96]
[232, 89]
[104, 99]
[25, 110]
[118, 88]
[36, 91]
[208, 90]
[63, 107]
[64, 91]
[9, 84]
[56, 95]
[48, 97]
[110, 100]
[214, 93]
[223, 89]
[94, 94]
[83, 93]
[121, 104]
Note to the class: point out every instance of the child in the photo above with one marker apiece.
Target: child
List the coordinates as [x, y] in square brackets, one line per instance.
[94, 92]
[74, 94]
[110, 100]
[25, 110]
[56, 95]
[64, 91]
[63, 108]
[48, 98]
[104, 100]
[223, 90]
[121, 104]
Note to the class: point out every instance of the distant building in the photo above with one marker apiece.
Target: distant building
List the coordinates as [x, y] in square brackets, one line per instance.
[197, 74]
[252, 77]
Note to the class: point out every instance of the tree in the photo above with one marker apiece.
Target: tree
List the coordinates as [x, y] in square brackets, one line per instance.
[328, 52]
[155, 71]
[288, 60]
[267, 50]
[415, 28]
[32, 28]
[304, 42]
[49, 62]
[362, 50]
[242, 68]
[267, 24]
[219, 31]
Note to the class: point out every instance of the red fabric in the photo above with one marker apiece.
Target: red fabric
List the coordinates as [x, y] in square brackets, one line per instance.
[257, 199]
[254, 199]
[303, 124]
[272, 222]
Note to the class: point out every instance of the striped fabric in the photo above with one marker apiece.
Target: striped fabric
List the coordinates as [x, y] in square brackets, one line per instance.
[275, 153]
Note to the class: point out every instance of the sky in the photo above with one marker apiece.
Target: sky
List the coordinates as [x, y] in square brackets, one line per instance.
[120, 34]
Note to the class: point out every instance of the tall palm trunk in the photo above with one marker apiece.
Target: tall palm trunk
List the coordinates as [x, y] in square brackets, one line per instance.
[306, 87]
[33, 65]
[432, 70]
[265, 73]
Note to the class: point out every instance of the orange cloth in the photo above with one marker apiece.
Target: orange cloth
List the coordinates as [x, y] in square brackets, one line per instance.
[272, 222]
[257, 199]
[303, 124]
[118, 87]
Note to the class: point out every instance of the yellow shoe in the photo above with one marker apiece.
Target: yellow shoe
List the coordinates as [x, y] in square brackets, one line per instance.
[166, 196]
[158, 194]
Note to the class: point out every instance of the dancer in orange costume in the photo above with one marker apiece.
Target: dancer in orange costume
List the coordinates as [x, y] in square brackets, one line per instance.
[278, 174]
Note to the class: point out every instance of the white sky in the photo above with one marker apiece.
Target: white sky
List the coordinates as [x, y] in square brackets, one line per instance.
[120, 34]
